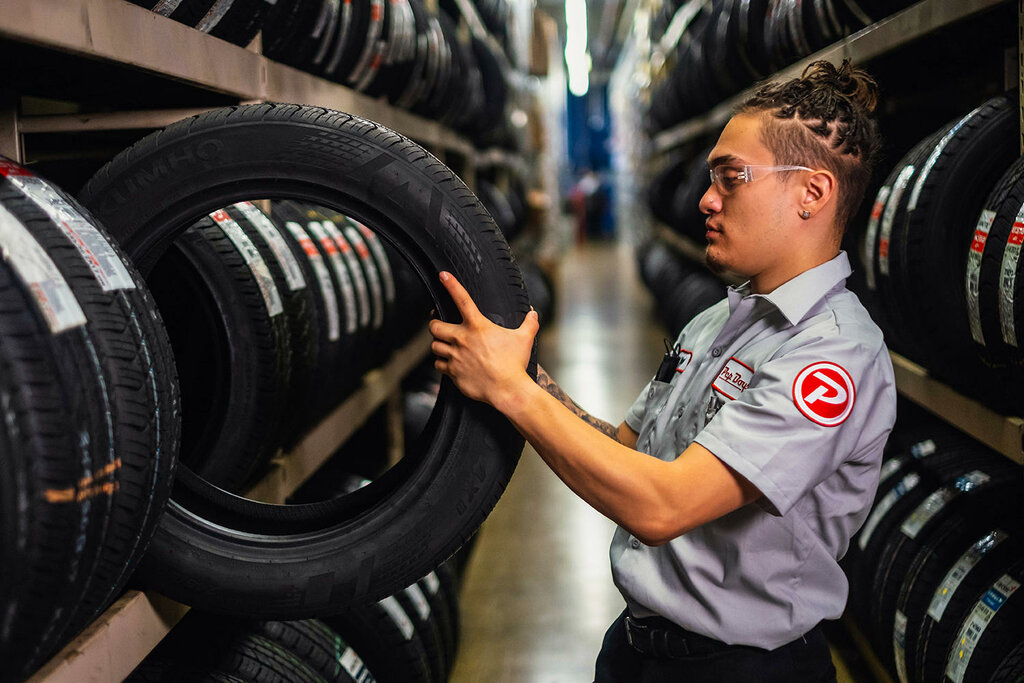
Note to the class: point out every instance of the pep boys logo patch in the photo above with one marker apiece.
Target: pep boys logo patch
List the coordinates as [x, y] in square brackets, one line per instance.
[824, 393]
[733, 379]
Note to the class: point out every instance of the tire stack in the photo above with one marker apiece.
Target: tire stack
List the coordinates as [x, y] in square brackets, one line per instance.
[681, 289]
[941, 555]
[939, 254]
[730, 44]
[417, 58]
[90, 427]
[675, 193]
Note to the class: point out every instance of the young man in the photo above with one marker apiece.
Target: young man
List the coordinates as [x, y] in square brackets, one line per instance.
[766, 423]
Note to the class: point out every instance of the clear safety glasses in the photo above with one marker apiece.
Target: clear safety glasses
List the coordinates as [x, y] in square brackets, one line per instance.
[728, 178]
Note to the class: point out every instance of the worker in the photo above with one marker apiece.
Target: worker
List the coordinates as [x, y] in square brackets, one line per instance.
[744, 467]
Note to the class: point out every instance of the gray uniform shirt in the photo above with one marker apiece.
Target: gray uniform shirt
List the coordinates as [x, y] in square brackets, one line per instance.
[794, 390]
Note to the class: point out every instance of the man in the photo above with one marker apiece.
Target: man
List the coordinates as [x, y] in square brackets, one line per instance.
[766, 422]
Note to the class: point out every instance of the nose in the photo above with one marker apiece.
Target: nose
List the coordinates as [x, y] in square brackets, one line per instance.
[711, 202]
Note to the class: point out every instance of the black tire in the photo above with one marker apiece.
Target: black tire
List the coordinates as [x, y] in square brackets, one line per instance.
[388, 534]
[385, 638]
[941, 214]
[226, 321]
[319, 647]
[428, 628]
[1011, 669]
[87, 499]
[236, 21]
[448, 589]
[287, 28]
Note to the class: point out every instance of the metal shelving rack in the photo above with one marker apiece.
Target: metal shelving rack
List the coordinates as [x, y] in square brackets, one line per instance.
[123, 35]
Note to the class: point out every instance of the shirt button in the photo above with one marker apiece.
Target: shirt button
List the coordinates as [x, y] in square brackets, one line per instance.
[717, 351]
[635, 543]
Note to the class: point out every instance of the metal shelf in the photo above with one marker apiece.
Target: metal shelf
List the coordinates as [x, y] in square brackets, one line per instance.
[881, 37]
[118, 32]
[113, 645]
[1000, 432]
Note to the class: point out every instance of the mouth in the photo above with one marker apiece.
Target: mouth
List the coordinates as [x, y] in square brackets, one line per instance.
[712, 230]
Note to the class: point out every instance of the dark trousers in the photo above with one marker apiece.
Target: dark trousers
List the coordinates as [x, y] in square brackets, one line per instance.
[805, 660]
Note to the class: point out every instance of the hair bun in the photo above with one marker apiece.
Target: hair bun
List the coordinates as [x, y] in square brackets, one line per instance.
[854, 84]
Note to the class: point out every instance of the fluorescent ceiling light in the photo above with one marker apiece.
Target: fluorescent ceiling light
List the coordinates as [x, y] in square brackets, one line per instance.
[577, 61]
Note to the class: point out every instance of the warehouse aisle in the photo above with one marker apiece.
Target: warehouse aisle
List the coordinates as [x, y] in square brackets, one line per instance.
[538, 594]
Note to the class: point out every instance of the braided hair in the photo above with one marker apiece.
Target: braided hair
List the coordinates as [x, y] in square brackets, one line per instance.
[823, 119]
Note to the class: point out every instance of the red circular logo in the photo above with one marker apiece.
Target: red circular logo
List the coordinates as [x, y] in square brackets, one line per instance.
[824, 393]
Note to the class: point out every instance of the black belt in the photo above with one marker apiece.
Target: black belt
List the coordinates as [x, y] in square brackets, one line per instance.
[661, 638]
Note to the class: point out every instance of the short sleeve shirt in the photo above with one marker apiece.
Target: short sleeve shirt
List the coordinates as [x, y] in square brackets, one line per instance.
[793, 390]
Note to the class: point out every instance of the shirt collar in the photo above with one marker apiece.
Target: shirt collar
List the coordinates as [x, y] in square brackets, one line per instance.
[796, 297]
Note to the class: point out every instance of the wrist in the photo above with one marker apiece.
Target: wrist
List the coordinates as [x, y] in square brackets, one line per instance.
[515, 396]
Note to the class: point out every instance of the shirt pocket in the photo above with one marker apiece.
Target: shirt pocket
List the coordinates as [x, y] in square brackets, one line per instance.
[657, 395]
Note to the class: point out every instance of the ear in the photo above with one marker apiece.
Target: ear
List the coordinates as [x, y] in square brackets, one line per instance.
[817, 192]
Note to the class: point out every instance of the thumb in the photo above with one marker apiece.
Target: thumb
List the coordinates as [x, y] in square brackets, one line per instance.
[531, 323]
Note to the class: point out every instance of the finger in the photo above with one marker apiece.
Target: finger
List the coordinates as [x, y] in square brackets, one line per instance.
[442, 350]
[461, 297]
[441, 366]
[443, 331]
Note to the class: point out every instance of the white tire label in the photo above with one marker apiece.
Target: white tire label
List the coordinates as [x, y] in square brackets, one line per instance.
[975, 625]
[890, 467]
[340, 272]
[940, 146]
[386, 276]
[51, 292]
[973, 277]
[1008, 279]
[956, 575]
[285, 258]
[372, 274]
[935, 502]
[342, 246]
[433, 583]
[351, 663]
[419, 601]
[899, 645]
[251, 255]
[398, 615]
[106, 265]
[872, 234]
[316, 261]
[884, 505]
[889, 215]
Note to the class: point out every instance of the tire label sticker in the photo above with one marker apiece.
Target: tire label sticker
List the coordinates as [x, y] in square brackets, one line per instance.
[891, 467]
[899, 644]
[419, 601]
[166, 7]
[316, 261]
[251, 255]
[973, 277]
[734, 378]
[33, 265]
[272, 236]
[95, 248]
[889, 215]
[371, 47]
[824, 393]
[372, 274]
[214, 15]
[959, 571]
[883, 506]
[938, 499]
[341, 246]
[922, 449]
[872, 234]
[340, 272]
[1008, 279]
[383, 265]
[398, 616]
[975, 625]
[351, 663]
[934, 157]
[433, 583]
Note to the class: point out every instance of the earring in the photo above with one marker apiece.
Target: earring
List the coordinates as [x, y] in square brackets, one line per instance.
[805, 215]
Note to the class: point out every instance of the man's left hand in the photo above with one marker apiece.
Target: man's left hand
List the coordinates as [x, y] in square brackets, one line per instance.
[486, 361]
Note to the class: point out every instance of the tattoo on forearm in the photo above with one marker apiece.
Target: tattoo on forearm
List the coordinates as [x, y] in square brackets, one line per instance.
[548, 385]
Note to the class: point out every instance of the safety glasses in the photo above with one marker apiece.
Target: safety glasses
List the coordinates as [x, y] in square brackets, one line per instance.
[728, 178]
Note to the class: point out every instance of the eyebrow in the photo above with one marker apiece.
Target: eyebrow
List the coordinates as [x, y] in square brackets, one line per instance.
[723, 159]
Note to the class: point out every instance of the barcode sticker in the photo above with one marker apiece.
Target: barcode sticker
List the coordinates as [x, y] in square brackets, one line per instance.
[974, 627]
[959, 571]
[398, 616]
[272, 236]
[341, 273]
[884, 505]
[973, 277]
[251, 255]
[316, 261]
[362, 291]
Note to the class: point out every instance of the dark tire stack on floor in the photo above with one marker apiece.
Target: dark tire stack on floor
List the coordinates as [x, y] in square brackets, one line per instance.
[681, 288]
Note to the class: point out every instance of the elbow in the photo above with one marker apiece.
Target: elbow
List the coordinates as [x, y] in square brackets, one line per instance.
[654, 531]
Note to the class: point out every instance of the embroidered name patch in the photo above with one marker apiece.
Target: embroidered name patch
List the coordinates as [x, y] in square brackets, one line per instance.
[733, 379]
[824, 393]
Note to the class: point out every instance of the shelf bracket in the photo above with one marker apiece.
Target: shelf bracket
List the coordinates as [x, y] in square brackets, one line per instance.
[10, 135]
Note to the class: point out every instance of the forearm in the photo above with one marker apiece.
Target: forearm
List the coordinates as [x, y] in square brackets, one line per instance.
[545, 382]
[632, 489]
